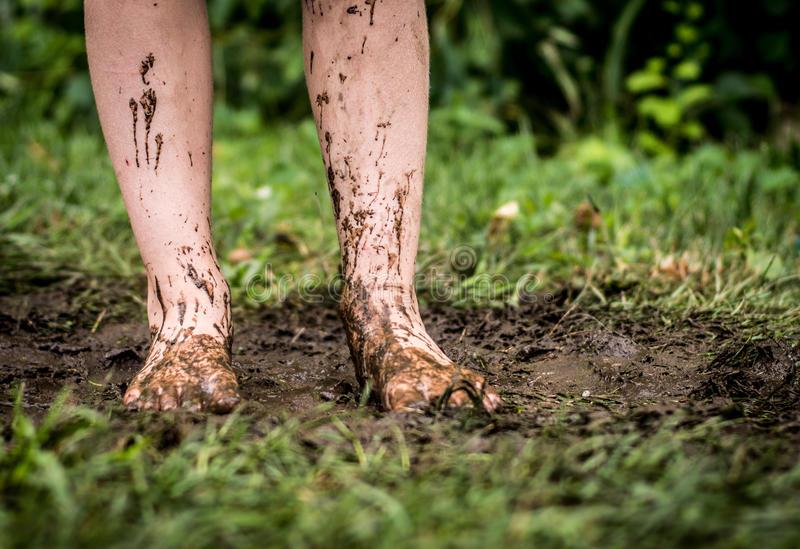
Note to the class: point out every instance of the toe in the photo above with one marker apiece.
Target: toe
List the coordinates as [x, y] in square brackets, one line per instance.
[224, 404]
[491, 400]
[463, 393]
[169, 400]
[147, 402]
[472, 388]
[414, 391]
[403, 396]
[460, 397]
[138, 398]
[192, 399]
[221, 392]
[131, 398]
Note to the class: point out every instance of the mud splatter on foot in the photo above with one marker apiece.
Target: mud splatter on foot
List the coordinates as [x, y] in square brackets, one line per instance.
[189, 371]
[392, 351]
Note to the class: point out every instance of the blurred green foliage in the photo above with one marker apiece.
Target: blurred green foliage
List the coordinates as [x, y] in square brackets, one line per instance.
[668, 73]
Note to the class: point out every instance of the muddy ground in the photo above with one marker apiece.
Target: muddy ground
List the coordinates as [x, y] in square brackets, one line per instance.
[596, 366]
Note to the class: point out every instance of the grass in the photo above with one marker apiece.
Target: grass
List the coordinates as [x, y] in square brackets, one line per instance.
[325, 480]
[715, 230]
[705, 230]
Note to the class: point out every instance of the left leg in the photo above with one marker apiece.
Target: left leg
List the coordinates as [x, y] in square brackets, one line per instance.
[151, 73]
[367, 72]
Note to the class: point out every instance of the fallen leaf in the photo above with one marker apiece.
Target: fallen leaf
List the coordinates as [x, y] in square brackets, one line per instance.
[239, 255]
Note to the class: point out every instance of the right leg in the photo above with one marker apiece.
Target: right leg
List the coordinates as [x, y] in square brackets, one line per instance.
[150, 64]
[367, 76]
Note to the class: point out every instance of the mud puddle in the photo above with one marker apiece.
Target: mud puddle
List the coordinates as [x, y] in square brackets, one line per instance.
[601, 367]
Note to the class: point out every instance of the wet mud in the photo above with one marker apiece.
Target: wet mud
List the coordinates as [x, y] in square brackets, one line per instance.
[145, 66]
[371, 4]
[134, 106]
[148, 101]
[599, 366]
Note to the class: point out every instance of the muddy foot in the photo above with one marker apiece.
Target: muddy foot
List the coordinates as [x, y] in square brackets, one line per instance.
[410, 378]
[188, 371]
[393, 352]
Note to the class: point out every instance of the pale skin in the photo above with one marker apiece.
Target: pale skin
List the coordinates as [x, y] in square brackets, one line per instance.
[367, 72]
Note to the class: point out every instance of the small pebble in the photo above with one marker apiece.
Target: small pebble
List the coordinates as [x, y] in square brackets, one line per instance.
[586, 394]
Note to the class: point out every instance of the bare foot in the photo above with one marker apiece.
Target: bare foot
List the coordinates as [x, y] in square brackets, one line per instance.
[392, 350]
[189, 363]
[190, 371]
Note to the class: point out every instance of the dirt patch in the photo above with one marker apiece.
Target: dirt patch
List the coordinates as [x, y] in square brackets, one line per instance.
[545, 358]
[762, 374]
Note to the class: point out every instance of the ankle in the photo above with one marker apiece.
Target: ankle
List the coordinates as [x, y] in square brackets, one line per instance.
[378, 293]
[380, 309]
[191, 308]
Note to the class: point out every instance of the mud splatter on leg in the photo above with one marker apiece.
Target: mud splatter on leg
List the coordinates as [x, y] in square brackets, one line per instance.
[135, 114]
[159, 141]
[189, 363]
[148, 102]
[373, 149]
[322, 99]
[371, 4]
[146, 64]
